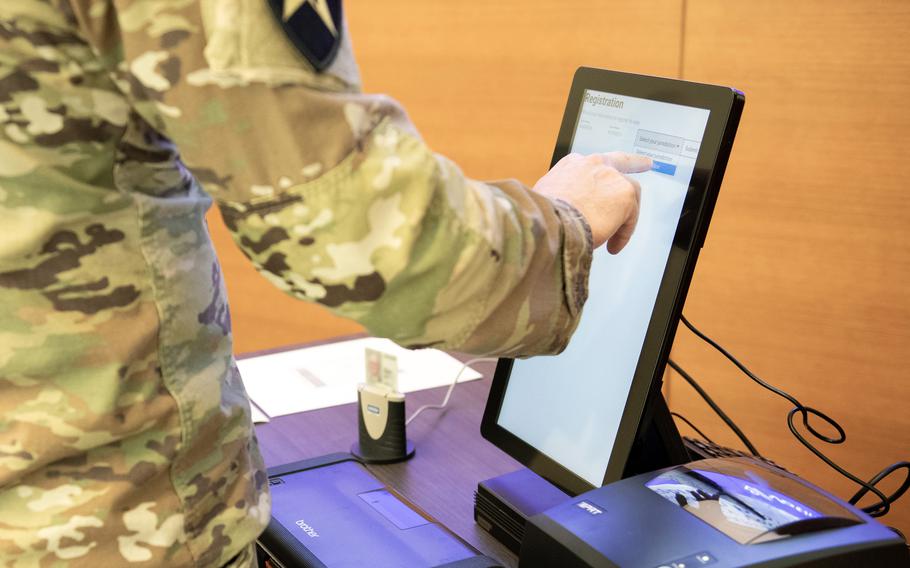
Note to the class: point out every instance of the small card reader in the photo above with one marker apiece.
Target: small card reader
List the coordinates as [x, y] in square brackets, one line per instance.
[380, 413]
[380, 425]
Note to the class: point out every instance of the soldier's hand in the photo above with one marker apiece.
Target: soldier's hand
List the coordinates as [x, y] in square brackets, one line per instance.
[596, 186]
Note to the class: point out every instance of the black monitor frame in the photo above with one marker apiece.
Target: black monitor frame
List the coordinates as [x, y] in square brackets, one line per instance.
[645, 412]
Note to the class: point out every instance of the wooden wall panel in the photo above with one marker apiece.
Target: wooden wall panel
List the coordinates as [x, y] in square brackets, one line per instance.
[805, 271]
[485, 85]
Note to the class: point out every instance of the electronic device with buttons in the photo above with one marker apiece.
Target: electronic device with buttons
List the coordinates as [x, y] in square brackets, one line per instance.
[716, 513]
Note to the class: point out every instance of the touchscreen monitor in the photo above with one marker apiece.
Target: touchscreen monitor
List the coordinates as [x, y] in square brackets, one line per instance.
[564, 415]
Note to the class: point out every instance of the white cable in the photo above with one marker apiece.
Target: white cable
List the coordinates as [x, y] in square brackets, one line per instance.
[445, 400]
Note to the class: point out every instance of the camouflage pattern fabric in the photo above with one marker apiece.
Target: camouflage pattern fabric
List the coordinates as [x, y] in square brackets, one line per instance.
[125, 434]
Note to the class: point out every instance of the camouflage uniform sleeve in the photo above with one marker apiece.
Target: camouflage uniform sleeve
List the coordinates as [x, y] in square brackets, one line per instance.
[333, 195]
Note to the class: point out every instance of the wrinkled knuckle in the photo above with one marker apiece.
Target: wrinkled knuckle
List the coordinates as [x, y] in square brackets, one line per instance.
[609, 172]
[605, 177]
[594, 159]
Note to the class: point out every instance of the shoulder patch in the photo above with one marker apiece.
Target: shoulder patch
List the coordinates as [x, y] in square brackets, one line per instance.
[313, 26]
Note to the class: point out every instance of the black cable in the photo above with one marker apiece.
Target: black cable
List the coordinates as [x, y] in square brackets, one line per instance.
[900, 534]
[896, 494]
[723, 415]
[693, 426]
[877, 509]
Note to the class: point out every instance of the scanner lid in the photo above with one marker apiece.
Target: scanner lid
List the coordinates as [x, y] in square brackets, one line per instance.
[750, 502]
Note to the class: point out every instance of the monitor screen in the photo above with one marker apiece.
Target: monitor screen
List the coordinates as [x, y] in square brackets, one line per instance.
[568, 407]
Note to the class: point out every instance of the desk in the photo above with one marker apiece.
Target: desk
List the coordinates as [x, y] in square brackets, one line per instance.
[441, 478]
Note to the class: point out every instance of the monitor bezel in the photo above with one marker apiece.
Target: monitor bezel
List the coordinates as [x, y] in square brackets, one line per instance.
[725, 106]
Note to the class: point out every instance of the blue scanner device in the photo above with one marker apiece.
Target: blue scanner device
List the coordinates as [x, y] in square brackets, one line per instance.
[331, 512]
[713, 513]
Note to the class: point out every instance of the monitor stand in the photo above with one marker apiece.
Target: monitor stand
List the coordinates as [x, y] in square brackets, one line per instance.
[503, 504]
[657, 444]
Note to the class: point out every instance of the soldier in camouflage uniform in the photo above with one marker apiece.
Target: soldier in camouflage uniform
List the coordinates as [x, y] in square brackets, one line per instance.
[125, 434]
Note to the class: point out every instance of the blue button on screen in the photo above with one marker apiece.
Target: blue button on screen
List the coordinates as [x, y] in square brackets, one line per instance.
[663, 168]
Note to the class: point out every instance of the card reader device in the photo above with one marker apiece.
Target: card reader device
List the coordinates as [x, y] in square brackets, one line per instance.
[382, 436]
[381, 426]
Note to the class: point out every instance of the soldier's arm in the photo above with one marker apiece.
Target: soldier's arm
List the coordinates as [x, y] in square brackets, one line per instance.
[333, 195]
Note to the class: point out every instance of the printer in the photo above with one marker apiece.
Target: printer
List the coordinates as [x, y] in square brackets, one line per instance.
[717, 513]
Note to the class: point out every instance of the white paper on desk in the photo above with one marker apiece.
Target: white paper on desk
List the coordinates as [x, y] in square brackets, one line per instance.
[258, 416]
[328, 375]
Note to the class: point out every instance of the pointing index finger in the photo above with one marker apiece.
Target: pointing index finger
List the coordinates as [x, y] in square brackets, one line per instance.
[628, 163]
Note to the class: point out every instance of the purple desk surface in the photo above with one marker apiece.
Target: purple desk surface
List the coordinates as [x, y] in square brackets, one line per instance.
[440, 479]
